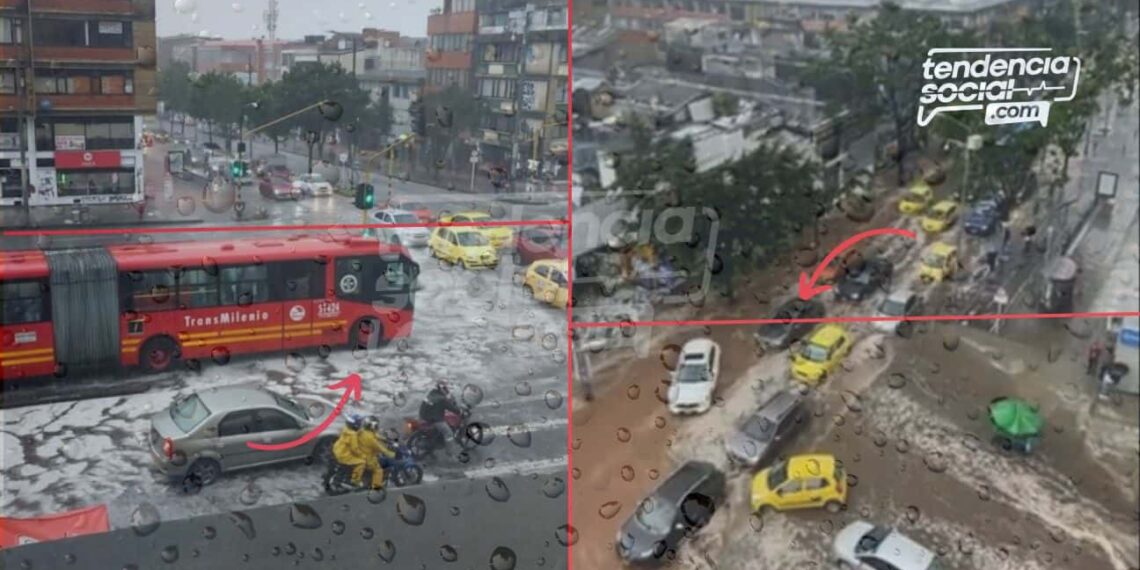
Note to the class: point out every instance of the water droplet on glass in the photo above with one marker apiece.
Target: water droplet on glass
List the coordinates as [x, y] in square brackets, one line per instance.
[448, 553]
[623, 435]
[879, 438]
[366, 533]
[519, 435]
[250, 494]
[186, 205]
[304, 516]
[912, 514]
[169, 554]
[659, 422]
[984, 493]
[669, 356]
[377, 496]
[523, 388]
[902, 446]
[472, 395]
[567, 535]
[633, 391]
[244, 524]
[627, 472]
[497, 490]
[896, 380]
[145, 519]
[553, 487]
[609, 509]
[503, 558]
[411, 509]
[653, 474]
[553, 399]
[337, 527]
[852, 401]
[549, 341]
[387, 551]
[295, 362]
[936, 462]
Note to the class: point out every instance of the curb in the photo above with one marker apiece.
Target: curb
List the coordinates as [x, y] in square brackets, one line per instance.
[104, 225]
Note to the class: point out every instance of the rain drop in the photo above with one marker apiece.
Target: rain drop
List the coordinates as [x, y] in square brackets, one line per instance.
[497, 490]
[145, 519]
[503, 558]
[896, 380]
[519, 435]
[912, 514]
[448, 553]
[472, 395]
[169, 554]
[567, 535]
[627, 472]
[553, 399]
[304, 516]
[244, 524]
[411, 509]
[623, 435]
[387, 551]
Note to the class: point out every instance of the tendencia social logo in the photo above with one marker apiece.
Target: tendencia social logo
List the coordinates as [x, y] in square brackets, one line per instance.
[1012, 85]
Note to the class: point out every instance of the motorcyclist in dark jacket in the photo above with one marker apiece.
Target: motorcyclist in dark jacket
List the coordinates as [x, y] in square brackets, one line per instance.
[434, 408]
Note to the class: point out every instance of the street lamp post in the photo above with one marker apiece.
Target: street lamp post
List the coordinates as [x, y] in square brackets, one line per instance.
[973, 143]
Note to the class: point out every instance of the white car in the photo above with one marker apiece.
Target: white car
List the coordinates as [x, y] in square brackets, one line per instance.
[865, 546]
[409, 236]
[901, 303]
[313, 185]
[694, 379]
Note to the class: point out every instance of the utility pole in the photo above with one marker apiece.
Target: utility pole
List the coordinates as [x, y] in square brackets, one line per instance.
[27, 94]
[518, 100]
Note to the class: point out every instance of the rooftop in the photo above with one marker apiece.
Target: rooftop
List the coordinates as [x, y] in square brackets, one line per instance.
[944, 6]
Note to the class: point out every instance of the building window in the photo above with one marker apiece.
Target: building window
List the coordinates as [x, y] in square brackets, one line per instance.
[497, 88]
[95, 182]
[8, 82]
[60, 33]
[451, 42]
[110, 34]
[10, 32]
[493, 20]
[462, 5]
[54, 85]
[104, 133]
[369, 63]
[501, 53]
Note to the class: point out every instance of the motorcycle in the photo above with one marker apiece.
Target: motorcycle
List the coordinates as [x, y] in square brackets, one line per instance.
[423, 439]
[402, 470]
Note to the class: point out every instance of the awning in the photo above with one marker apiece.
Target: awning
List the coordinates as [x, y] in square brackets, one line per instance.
[18, 532]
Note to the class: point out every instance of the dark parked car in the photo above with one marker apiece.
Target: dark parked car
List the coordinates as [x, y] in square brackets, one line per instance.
[760, 435]
[534, 244]
[778, 336]
[277, 188]
[682, 505]
[875, 274]
[984, 218]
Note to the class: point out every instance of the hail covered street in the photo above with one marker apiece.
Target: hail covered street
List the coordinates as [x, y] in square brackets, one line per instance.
[502, 351]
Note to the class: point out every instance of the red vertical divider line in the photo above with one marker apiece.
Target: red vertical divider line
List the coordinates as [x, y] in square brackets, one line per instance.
[570, 280]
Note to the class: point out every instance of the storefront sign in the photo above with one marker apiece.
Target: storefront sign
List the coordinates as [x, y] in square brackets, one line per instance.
[70, 142]
[44, 190]
[88, 159]
[9, 141]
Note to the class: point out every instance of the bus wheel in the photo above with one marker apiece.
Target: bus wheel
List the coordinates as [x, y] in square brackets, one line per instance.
[367, 334]
[158, 354]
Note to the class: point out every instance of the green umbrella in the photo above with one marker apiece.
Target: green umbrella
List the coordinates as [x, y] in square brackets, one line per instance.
[1015, 418]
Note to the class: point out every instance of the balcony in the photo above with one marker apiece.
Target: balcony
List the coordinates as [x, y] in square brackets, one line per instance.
[71, 102]
[453, 23]
[74, 6]
[449, 60]
[91, 54]
[501, 106]
[498, 69]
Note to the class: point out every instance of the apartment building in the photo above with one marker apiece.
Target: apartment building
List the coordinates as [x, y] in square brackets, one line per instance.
[73, 94]
[451, 33]
[389, 66]
[521, 72]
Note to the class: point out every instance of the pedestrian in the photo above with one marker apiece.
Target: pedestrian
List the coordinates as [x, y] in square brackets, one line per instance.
[1095, 350]
[1028, 234]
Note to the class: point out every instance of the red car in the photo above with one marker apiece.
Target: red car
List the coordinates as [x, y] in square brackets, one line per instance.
[409, 205]
[538, 243]
[277, 188]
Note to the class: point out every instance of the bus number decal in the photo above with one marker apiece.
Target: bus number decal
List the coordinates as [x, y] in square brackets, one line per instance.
[326, 310]
[297, 313]
[25, 337]
[349, 284]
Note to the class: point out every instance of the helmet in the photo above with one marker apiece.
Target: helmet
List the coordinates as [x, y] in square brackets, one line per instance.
[372, 423]
[442, 387]
[354, 421]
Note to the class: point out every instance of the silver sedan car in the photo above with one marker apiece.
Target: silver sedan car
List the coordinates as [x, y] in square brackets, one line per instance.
[203, 435]
[865, 546]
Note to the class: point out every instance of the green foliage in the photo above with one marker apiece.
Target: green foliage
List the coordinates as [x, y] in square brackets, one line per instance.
[174, 86]
[725, 104]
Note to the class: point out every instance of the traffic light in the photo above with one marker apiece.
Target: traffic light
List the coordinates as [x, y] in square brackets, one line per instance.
[235, 169]
[365, 196]
[419, 118]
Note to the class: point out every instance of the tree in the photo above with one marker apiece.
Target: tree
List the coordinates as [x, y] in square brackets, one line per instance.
[175, 88]
[725, 104]
[451, 115]
[303, 85]
[875, 67]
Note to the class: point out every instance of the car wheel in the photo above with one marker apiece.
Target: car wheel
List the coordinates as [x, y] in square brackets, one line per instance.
[202, 473]
[419, 446]
[322, 453]
[833, 507]
[158, 354]
[766, 511]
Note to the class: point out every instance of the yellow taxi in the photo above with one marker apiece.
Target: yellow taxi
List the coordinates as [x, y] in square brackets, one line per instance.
[500, 236]
[546, 281]
[941, 217]
[821, 353]
[939, 263]
[467, 247]
[800, 482]
[917, 199]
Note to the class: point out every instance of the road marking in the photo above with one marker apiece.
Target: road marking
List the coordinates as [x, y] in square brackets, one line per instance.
[519, 468]
[529, 427]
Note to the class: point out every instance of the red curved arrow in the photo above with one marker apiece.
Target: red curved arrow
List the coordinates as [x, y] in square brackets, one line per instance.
[352, 383]
[808, 289]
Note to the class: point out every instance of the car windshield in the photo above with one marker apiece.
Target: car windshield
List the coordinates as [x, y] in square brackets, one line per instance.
[314, 178]
[892, 308]
[870, 542]
[777, 475]
[292, 406]
[934, 259]
[655, 514]
[862, 278]
[405, 218]
[941, 214]
[814, 352]
[692, 374]
[914, 197]
[759, 427]
[471, 238]
[188, 412]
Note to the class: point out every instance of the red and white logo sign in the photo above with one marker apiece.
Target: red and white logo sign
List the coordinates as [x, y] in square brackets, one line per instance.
[88, 159]
[297, 313]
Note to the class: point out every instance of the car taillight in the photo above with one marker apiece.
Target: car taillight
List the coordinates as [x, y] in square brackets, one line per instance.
[168, 448]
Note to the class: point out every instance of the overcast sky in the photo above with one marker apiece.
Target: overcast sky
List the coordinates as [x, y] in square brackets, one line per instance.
[243, 19]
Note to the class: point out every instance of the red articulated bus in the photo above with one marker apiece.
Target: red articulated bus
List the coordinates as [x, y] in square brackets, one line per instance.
[151, 305]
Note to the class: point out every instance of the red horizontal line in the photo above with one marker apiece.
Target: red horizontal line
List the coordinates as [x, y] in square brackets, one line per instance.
[286, 228]
[917, 318]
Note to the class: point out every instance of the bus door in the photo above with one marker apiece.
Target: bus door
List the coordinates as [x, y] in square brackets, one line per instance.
[251, 319]
[26, 346]
[85, 307]
[302, 290]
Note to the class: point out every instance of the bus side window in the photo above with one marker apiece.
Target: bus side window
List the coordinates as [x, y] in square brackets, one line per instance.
[197, 288]
[245, 284]
[24, 302]
[146, 291]
[295, 280]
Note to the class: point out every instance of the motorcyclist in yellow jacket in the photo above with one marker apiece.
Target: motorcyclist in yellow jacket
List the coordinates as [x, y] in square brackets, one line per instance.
[347, 450]
[372, 446]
